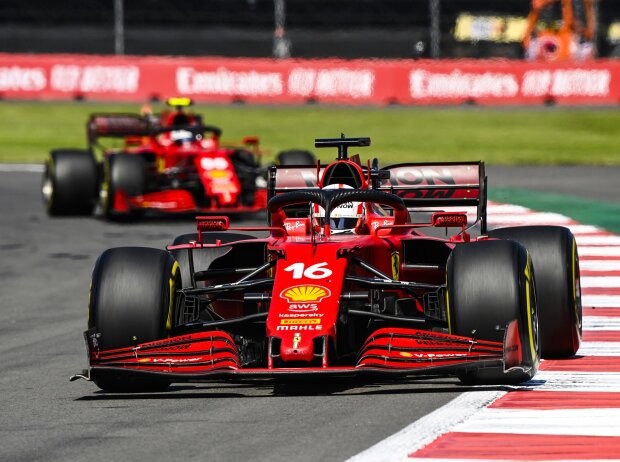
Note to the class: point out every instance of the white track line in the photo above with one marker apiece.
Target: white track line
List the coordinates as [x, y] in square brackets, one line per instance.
[600, 281]
[600, 301]
[575, 381]
[600, 349]
[599, 265]
[603, 239]
[591, 422]
[601, 323]
[590, 251]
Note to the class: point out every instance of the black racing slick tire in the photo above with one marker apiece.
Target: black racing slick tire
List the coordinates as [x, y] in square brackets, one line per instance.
[295, 157]
[70, 182]
[122, 172]
[490, 284]
[202, 257]
[246, 168]
[132, 301]
[553, 250]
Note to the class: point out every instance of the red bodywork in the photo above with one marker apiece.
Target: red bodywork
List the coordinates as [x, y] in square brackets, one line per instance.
[316, 310]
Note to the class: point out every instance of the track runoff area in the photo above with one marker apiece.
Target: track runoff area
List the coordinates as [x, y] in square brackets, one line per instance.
[571, 409]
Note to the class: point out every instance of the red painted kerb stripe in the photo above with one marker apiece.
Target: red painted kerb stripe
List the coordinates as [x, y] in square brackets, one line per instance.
[612, 312]
[583, 364]
[498, 446]
[542, 399]
[601, 336]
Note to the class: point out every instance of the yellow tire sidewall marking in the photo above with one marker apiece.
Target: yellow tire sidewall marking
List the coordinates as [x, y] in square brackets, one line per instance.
[528, 299]
[105, 186]
[172, 284]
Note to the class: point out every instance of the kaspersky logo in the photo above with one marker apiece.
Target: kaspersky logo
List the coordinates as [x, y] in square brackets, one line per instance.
[305, 294]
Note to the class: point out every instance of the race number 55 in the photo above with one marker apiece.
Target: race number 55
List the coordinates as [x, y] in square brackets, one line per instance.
[316, 271]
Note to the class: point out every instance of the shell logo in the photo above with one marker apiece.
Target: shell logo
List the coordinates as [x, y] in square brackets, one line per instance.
[305, 293]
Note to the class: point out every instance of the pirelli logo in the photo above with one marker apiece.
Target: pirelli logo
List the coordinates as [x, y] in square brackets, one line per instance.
[300, 321]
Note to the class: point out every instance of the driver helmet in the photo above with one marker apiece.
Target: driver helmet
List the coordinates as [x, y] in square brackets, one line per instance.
[181, 136]
[343, 218]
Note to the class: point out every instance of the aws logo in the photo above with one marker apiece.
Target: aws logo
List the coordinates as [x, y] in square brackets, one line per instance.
[305, 293]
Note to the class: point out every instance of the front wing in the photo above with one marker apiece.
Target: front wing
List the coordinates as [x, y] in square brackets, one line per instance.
[212, 355]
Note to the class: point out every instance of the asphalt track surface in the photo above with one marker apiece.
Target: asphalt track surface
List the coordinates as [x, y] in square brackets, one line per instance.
[44, 278]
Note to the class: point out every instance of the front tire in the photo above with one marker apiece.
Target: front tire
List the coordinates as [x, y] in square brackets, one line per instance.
[554, 255]
[131, 302]
[70, 182]
[490, 284]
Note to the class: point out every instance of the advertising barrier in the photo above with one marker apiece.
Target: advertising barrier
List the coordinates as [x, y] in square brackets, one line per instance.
[378, 82]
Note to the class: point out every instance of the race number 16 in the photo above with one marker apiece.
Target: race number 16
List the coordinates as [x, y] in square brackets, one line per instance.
[316, 271]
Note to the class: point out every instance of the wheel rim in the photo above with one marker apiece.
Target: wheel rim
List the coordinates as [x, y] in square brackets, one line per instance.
[47, 188]
[104, 191]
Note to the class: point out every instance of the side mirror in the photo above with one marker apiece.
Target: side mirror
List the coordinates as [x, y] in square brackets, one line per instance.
[449, 219]
[205, 224]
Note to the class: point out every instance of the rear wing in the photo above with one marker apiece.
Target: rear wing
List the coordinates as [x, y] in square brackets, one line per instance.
[286, 178]
[420, 185]
[118, 125]
[445, 184]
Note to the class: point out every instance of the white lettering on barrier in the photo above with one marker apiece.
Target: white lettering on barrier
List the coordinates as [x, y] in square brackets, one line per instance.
[567, 82]
[16, 78]
[225, 82]
[580, 82]
[66, 77]
[331, 82]
[95, 79]
[457, 84]
[536, 83]
[301, 81]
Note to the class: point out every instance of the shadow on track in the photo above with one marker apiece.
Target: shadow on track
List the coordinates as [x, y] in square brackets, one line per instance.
[294, 388]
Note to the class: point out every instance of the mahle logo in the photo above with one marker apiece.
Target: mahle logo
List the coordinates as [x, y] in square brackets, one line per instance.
[305, 293]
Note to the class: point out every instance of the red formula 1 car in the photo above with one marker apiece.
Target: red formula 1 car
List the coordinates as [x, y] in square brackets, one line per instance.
[351, 281]
[169, 162]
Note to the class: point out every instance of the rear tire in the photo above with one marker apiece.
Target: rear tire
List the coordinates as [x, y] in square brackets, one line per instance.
[70, 182]
[491, 283]
[122, 172]
[296, 157]
[131, 302]
[202, 257]
[246, 168]
[554, 255]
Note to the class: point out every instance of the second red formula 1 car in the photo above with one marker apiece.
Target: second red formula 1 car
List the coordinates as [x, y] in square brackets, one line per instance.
[350, 281]
[167, 163]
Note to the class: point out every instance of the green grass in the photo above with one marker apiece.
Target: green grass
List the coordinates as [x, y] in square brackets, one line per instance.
[28, 130]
